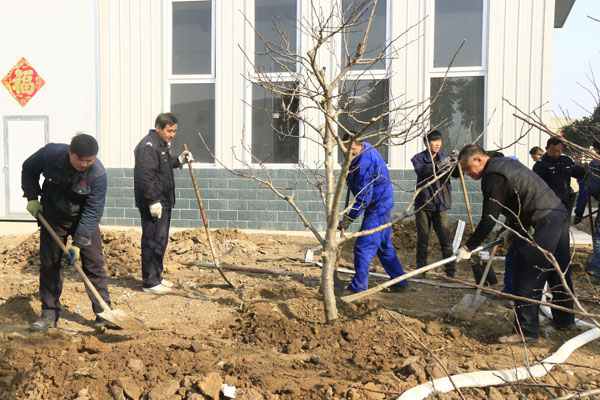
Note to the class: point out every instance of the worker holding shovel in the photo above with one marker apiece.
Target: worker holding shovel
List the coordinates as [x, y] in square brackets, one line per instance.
[434, 201]
[154, 186]
[511, 189]
[369, 182]
[72, 201]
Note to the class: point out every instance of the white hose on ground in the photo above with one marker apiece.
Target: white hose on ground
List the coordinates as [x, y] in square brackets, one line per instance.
[499, 377]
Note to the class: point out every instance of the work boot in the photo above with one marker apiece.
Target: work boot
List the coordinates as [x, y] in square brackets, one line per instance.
[516, 339]
[100, 324]
[47, 320]
[398, 287]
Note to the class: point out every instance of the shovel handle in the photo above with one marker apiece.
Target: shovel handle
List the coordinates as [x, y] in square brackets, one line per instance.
[486, 271]
[376, 289]
[466, 197]
[88, 284]
[205, 223]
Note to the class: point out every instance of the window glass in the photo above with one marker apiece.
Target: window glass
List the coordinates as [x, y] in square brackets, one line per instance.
[192, 37]
[356, 14]
[458, 111]
[274, 132]
[275, 35]
[456, 20]
[364, 100]
[194, 105]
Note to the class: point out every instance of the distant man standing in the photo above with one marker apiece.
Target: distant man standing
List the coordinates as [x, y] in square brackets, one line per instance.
[370, 183]
[72, 201]
[536, 152]
[526, 201]
[154, 186]
[434, 200]
[557, 169]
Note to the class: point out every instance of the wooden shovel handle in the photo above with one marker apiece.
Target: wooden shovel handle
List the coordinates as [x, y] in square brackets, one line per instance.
[205, 222]
[466, 197]
[88, 284]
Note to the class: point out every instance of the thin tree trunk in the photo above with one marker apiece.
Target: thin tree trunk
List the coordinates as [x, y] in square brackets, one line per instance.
[327, 282]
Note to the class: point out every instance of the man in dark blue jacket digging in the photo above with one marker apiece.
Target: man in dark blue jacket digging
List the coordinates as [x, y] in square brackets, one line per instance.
[369, 182]
[72, 201]
[434, 200]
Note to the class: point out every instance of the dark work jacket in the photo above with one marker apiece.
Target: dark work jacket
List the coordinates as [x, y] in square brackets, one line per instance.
[369, 182]
[69, 197]
[153, 179]
[557, 173]
[512, 189]
[435, 197]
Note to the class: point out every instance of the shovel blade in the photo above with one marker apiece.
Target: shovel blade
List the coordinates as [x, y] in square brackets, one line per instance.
[467, 307]
[121, 319]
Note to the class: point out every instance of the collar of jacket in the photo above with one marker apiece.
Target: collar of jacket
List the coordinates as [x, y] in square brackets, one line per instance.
[427, 156]
[159, 140]
[366, 146]
[550, 160]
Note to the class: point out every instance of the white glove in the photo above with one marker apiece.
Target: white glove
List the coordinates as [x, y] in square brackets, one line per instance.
[463, 254]
[185, 157]
[156, 210]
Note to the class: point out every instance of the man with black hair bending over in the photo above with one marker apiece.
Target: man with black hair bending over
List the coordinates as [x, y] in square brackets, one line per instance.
[526, 201]
[72, 201]
[154, 186]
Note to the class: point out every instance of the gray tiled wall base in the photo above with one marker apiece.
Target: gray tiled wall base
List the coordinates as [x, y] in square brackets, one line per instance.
[233, 202]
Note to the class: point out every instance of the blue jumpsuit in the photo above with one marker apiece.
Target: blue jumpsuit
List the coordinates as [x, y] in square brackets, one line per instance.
[369, 182]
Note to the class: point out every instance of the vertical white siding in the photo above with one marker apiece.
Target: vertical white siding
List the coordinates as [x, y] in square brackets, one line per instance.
[519, 53]
[132, 79]
[409, 69]
[130, 75]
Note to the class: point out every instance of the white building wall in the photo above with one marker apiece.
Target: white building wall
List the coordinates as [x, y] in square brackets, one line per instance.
[132, 71]
[519, 70]
[58, 38]
[131, 75]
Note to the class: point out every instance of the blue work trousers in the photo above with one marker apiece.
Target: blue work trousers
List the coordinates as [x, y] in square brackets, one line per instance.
[380, 244]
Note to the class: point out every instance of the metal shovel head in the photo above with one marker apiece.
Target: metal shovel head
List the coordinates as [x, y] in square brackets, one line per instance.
[468, 306]
[122, 320]
[309, 256]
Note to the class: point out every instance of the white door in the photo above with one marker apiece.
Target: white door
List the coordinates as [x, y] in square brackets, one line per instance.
[29, 130]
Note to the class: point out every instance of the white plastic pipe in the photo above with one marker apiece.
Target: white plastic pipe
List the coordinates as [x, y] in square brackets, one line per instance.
[499, 377]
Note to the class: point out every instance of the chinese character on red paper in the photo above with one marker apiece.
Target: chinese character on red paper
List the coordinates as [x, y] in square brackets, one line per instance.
[23, 82]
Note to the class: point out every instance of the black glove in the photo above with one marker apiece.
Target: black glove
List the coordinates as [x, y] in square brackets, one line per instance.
[577, 219]
[345, 223]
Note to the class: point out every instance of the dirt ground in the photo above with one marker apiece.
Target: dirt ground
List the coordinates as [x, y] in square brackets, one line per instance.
[268, 338]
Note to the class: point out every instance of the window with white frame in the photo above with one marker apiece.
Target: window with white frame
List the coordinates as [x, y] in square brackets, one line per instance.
[275, 132]
[457, 88]
[365, 92]
[191, 78]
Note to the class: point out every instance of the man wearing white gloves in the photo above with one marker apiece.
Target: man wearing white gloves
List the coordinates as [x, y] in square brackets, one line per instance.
[528, 203]
[154, 187]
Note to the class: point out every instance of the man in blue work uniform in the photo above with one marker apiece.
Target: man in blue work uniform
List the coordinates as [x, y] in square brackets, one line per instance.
[369, 182]
[434, 200]
[72, 201]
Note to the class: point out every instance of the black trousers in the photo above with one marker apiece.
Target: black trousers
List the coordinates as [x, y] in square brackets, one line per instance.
[155, 236]
[425, 220]
[51, 269]
[532, 270]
